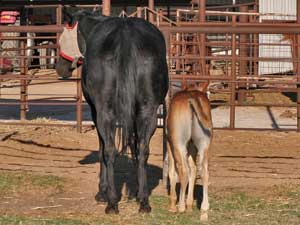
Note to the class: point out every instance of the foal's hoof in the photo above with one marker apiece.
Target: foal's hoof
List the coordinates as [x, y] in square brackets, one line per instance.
[189, 208]
[204, 216]
[112, 209]
[173, 209]
[100, 197]
[145, 208]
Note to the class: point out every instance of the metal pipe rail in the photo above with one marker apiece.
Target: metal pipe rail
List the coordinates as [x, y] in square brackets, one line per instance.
[233, 28]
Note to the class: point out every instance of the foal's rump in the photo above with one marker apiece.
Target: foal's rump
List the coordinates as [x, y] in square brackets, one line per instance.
[188, 109]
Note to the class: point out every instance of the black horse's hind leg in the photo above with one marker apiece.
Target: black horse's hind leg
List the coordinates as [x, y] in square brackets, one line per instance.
[134, 154]
[101, 196]
[112, 200]
[107, 131]
[147, 125]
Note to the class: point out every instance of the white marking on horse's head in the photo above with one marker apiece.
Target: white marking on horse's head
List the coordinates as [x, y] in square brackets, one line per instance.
[69, 48]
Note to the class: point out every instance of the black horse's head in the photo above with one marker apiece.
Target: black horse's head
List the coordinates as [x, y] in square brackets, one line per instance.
[72, 40]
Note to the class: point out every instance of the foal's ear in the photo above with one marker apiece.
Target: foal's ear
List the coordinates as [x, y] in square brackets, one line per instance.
[203, 86]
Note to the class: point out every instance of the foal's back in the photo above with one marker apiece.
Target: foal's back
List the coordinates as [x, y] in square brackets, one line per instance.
[189, 116]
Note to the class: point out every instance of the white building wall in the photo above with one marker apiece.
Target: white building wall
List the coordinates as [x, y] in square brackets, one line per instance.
[275, 10]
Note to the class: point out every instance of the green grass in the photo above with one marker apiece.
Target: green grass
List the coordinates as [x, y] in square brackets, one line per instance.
[13, 182]
[236, 208]
[16, 220]
[277, 205]
[274, 207]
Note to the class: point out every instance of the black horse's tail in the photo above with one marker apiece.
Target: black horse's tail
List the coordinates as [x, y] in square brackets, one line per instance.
[126, 88]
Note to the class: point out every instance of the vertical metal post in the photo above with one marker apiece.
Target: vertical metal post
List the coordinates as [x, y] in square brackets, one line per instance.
[23, 82]
[256, 44]
[150, 14]
[158, 18]
[59, 14]
[106, 7]
[233, 76]
[227, 49]
[79, 101]
[58, 22]
[253, 51]
[202, 8]
[243, 52]
[255, 54]
[178, 47]
[139, 12]
[201, 11]
[298, 68]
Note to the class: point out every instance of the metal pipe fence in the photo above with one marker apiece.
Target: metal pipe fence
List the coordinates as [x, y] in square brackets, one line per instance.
[251, 58]
[239, 55]
[22, 66]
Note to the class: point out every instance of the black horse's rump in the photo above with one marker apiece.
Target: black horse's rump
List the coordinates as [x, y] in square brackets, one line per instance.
[124, 80]
[130, 54]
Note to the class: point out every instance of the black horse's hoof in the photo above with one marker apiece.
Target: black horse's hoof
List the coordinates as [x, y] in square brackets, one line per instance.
[100, 197]
[145, 208]
[112, 209]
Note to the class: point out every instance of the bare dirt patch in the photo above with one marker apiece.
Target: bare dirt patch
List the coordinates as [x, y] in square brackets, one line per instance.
[253, 161]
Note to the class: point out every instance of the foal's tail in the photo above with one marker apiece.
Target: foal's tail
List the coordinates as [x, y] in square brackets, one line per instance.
[203, 118]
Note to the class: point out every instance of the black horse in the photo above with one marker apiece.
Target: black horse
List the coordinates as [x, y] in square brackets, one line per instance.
[124, 80]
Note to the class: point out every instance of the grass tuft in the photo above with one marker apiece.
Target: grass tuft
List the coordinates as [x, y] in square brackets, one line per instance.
[13, 182]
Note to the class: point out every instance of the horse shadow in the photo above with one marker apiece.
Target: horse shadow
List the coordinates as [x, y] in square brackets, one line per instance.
[125, 170]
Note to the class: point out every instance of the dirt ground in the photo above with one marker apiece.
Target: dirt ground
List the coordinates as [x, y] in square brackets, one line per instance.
[253, 161]
[247, 160]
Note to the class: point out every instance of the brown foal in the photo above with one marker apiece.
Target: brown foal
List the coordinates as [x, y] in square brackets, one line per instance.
[189, 130]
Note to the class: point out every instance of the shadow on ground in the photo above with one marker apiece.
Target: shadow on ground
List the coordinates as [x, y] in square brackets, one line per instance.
[10, 110]
[126, 173]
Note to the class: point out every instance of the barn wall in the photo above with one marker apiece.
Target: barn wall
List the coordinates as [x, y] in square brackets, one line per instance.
[287, 7]
[288, 10]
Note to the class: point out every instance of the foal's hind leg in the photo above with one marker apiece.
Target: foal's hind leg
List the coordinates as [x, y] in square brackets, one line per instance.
[192, 178]
[182, 168]
[173, 181]
[203, 148]
[204, 175]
